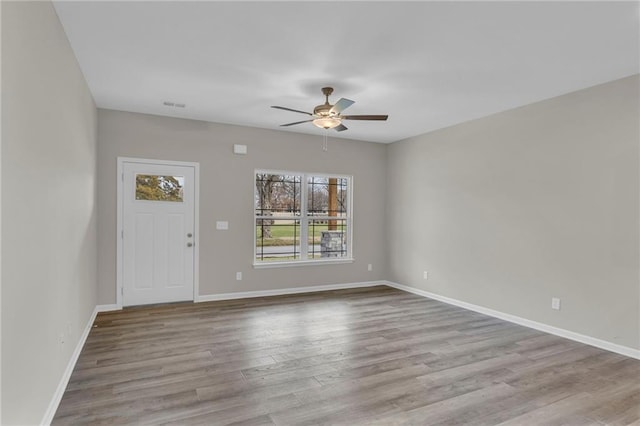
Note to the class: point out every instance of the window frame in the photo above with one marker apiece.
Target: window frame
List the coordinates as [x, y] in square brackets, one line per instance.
[304, 219]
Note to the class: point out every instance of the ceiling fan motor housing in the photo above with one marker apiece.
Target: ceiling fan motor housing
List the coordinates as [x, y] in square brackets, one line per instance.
[324, 110]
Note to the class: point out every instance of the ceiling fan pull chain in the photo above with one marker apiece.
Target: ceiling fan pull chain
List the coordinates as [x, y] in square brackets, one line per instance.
[325, 148]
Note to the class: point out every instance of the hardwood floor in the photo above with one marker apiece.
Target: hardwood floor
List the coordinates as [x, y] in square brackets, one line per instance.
[365, 356]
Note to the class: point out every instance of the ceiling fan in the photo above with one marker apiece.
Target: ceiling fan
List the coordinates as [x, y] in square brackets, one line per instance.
[327, 116]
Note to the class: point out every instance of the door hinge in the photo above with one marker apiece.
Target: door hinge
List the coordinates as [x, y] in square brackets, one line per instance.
[122, 290]
[122, 177]
[122, 234]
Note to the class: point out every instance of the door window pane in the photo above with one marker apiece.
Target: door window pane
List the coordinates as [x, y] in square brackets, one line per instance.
[159, 188]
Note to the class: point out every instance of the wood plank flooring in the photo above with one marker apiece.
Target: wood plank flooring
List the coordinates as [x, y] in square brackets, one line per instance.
[350, 357]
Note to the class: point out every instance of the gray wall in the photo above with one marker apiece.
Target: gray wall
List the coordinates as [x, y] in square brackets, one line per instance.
[48, 208]
[541, 201]
[227, 182]
[504, 212]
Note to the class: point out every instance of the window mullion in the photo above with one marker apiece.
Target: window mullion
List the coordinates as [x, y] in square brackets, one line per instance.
[349, 216]
[304, 221]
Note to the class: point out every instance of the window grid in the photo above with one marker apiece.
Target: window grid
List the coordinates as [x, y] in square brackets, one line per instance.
[310, 221]
[295, 253]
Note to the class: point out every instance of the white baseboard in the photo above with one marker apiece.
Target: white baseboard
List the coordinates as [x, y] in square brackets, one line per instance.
[107, 308]
[592, 341]
[283, 291]
[62, 385]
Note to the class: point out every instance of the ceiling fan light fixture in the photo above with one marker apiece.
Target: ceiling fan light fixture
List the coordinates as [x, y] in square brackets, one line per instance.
[327, 122]
[327, 116]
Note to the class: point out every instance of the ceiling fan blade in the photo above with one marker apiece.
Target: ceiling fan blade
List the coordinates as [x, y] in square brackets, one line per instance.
[340, 128]
[290, 109]
[365, 117]
[293, 124]
[341, 105]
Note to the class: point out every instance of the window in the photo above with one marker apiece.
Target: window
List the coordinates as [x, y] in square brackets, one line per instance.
[301, 218]
[159, 188]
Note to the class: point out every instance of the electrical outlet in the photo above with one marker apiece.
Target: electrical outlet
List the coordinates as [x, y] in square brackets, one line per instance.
[425, 275]
[238, 276]
[555, 303]
[369, 267]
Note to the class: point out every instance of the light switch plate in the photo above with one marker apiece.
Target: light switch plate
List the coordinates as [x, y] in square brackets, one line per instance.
[222, 225]
[239, 149]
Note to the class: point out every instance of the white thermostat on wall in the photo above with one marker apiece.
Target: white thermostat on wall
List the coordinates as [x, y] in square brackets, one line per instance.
[222, 225]
[239, 149]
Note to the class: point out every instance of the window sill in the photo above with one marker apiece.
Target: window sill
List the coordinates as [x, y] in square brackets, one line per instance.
[266, 265]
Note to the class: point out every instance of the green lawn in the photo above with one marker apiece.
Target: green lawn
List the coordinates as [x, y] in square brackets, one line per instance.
[283, 234]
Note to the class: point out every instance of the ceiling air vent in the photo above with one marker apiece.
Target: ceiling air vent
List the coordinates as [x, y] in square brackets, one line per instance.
[173, 104]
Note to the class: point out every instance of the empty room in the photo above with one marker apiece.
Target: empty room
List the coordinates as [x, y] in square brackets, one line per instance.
[320, 213]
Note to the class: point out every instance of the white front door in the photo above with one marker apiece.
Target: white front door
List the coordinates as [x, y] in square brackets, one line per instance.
[158, 233]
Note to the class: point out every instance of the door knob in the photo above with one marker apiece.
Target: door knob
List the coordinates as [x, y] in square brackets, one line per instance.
[189, 235]
[189, 244]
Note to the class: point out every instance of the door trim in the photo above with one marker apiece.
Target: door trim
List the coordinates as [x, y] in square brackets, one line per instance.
[120, 220]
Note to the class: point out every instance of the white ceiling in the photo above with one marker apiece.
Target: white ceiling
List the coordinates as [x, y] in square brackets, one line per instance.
[427, 64]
